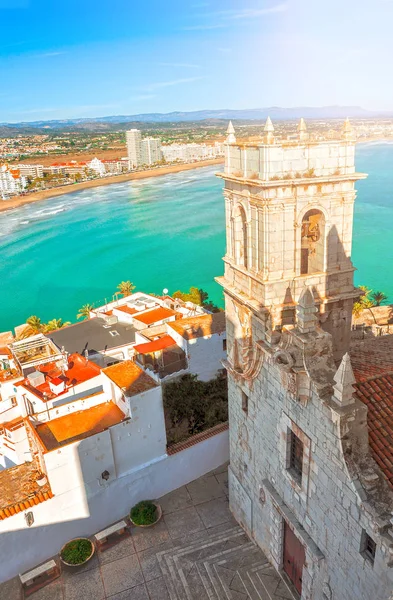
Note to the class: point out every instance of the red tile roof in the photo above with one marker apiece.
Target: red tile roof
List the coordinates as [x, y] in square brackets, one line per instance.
[130, 378]
[377, 394]
[373, 356]
[200, 326]
[155, 315]
[78, 425]
[154, 346]
[19, 490]
[79, 371]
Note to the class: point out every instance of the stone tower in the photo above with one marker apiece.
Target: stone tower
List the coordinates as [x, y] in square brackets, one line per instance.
[289, 212]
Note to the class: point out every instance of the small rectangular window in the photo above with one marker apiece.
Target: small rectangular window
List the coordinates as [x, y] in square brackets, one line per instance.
[368, 547]
[244, 402]
[224, 345]
[295, 465]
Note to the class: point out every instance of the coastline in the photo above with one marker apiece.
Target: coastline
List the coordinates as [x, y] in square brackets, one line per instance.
[76, 187]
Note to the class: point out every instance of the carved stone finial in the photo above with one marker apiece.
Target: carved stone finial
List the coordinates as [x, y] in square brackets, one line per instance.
[347, 130]
[302, 129]
[269, 126]
[231, 137]
[269, 129]
[305, 312]
[343, 382]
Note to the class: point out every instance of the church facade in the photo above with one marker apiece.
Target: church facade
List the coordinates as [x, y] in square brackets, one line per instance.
[304, 482]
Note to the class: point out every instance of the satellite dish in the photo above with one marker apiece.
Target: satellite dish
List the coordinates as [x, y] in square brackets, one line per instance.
[165, 291]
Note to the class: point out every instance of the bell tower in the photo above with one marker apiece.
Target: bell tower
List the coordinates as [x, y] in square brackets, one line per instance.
[289, 212]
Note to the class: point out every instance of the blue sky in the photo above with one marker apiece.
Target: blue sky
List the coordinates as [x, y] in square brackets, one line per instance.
[93, 58]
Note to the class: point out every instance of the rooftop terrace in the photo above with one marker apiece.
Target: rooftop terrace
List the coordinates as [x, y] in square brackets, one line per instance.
[79, 425]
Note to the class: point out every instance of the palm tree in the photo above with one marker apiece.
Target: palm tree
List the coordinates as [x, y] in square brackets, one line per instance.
[55, 324]
[35, 324]
[126, 288]
[379, 298]
[84, 312]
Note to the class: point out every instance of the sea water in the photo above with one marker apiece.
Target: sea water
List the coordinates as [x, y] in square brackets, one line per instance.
[163, 232]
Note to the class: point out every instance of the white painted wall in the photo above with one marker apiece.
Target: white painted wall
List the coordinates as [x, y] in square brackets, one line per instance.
[83, 511]
[204, 354]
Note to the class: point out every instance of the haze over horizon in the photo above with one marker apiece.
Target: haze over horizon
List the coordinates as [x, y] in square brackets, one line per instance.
[65, 63]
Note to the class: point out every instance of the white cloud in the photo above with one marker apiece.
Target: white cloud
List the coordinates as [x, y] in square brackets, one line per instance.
[180, 65]
[47, 54]
[252, 13]
[203, 27]
[163, 84]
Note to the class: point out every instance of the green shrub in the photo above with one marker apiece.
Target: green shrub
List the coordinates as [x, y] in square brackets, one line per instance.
[77, 551]
[144, 513]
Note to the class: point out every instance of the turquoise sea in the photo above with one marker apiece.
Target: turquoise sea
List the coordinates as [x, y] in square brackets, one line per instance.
[165, 232]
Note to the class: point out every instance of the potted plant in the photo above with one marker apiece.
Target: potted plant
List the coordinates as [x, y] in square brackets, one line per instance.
[146, 513]
[77, 552]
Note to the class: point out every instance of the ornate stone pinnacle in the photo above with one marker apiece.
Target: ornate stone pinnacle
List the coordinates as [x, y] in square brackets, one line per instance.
[343, 382]
[231, 138]
[305, 312]
[269, 126]
[347, 130]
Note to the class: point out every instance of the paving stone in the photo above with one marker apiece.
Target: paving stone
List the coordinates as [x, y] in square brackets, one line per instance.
[123, 548]
[87, 585]
[222, 479]
[157, 589]
[11, 589]
[183, 522]
[149, 563]
[138, 592]
[215, 512]
[205, 488]
[146, 537]
[52, 591]
[122, 574]
[176, 500]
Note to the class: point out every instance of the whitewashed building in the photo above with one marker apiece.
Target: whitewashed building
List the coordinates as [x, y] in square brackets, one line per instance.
[311, 470]
[11, 182]
[97, 166]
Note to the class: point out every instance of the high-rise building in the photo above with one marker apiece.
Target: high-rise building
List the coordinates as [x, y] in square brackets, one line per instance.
[133, 141]
[150, 151]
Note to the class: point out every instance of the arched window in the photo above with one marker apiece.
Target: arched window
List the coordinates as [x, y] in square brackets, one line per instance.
[313, 243]
[240, 237]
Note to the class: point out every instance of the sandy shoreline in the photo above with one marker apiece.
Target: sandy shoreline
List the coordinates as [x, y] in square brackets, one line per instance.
[76, 187]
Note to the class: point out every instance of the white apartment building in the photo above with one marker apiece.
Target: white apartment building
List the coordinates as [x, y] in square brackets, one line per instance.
[11, 182]
[133, 141]
[189, 152]
[97, 166]
[150, 151]
[32, 171]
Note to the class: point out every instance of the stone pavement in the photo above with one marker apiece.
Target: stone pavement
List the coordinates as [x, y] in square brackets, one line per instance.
[196, 552]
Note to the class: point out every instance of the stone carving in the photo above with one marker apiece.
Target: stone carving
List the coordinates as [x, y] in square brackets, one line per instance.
[283, 359]
[246, 358]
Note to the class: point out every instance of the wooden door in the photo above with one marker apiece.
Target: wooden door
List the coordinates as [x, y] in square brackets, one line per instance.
[293, 557]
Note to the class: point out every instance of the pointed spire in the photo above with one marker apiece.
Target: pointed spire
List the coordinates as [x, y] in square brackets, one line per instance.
[305, 312]
[269, 126]
[231, 137]
[302, 129]
[347, 130]
[343, 382]
[269, 129]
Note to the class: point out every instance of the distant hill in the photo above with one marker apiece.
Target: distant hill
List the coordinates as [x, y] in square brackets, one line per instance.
[275, 112]
[210, 116]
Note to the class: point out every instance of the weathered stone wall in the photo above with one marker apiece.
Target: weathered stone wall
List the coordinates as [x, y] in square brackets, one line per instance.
[325, 511]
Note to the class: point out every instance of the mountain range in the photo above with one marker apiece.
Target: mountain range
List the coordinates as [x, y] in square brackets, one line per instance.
[255, 114]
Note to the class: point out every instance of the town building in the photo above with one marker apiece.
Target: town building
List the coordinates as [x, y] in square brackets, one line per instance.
[12, 182]
[191, 152]
[151, 152]
[97, 166]
[310, 475]
[31, 171]
[133, 141]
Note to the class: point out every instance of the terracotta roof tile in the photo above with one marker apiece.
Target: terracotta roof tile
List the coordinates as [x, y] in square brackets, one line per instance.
[129, 377]
[201, 326]
[155, 315]
[377, 394]
[19, 489]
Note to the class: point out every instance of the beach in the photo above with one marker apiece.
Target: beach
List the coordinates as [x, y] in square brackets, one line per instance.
[75, 187]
